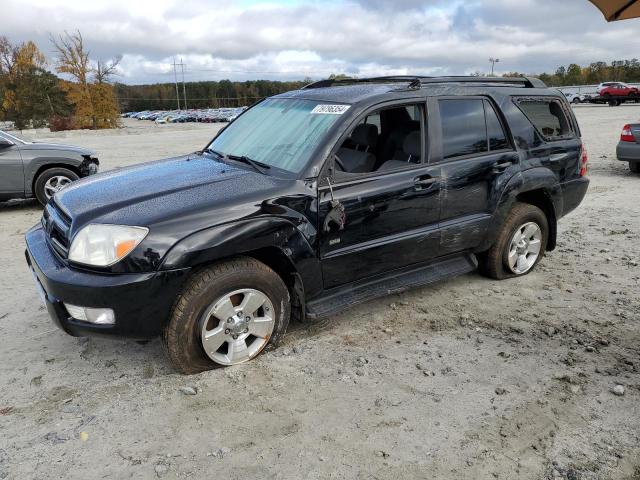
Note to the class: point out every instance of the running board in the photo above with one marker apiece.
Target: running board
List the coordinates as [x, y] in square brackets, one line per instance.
[348, 296]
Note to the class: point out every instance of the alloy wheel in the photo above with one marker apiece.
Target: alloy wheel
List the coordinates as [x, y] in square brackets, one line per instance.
[237, 326]
[55, 184]
[524, 248]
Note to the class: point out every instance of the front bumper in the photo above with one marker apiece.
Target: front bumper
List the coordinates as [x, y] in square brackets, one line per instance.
[89, 166]
[142, 301]
[628, 151]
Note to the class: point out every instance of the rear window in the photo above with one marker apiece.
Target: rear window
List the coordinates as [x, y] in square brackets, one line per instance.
[470, 126]
[548, 116]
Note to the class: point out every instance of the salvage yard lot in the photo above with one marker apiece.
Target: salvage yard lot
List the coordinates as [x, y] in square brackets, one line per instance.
[469, 378]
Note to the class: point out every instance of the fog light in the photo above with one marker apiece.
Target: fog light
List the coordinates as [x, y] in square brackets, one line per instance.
[100, 316]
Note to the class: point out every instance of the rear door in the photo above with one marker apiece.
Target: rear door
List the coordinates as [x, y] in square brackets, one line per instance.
[11, 169]
[477, 160]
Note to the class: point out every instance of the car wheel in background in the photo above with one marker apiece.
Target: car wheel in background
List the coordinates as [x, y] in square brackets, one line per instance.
[520, 243]
[227, 314]
[634, 167]
[575, 100]
[51, 181]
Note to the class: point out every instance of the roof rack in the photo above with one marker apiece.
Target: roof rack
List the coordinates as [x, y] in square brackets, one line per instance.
[417, 81]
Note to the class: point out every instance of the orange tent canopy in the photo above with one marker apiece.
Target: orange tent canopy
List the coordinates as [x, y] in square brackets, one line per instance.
[618, 9]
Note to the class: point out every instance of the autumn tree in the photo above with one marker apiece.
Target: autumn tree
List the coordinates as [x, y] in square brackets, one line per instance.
[30, 93]
[89, 91]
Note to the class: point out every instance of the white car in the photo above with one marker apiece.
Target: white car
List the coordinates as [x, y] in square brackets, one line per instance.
[573, 97]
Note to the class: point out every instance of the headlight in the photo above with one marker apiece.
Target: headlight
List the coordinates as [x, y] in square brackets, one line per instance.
[104, 245]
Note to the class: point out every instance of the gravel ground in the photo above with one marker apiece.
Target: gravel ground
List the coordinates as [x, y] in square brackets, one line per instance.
[467, 379]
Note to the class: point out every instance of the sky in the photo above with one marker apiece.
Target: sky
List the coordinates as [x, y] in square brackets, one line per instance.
[294, 39]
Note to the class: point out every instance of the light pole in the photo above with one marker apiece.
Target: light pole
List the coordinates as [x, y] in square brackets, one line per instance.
[493, 64]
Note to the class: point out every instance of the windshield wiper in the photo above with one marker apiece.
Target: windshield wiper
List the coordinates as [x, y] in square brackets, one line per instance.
[216, 153]
[259, 166]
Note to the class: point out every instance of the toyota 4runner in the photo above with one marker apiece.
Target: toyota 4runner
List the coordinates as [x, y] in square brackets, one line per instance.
[308, 203]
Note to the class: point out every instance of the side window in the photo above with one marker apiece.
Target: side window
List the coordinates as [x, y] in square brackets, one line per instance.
[384, 140]
[373, 119]
[495, 132]
[464, 130]
[547, 116]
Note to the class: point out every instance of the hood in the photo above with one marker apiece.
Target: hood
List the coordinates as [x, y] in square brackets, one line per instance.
[178, 195]
[57, 147]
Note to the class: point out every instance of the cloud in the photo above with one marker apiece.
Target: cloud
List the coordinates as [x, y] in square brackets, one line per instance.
[291, 39]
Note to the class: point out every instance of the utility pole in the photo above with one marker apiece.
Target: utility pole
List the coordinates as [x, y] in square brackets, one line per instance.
[493, 63]
[175, 78]
[184, 88]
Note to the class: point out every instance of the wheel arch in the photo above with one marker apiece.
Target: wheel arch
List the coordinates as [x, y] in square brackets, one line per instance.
[276, 242]
[541, 199]
[536, 186]
[48, 166]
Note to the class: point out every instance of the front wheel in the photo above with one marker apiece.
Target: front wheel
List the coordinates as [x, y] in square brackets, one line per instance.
[520, 243]
[227, 314]
[52, 181]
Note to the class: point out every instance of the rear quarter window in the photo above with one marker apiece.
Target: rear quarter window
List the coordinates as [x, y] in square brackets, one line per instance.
[547, 116]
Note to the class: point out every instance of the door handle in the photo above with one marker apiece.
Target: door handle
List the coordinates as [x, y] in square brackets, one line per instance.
[421, 183]
[500, 167]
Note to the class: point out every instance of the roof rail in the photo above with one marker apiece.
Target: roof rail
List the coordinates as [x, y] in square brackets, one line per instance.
[526, 82]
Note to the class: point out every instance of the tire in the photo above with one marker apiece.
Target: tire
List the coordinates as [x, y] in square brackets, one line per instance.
[42, 188]
[195, 309]
[634, 167]
[494, 263]
[576, 100]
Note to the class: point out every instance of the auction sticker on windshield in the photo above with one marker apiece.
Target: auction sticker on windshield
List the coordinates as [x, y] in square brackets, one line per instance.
[330, 109]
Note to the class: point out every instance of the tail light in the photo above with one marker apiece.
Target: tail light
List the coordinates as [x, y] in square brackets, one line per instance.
[584, 161]
[627, 136]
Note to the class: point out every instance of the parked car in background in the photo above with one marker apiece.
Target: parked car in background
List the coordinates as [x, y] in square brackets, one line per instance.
[576, 98]
[617, 89]
[628, 149]
[206, 115]
[29, 169]
[310, 202]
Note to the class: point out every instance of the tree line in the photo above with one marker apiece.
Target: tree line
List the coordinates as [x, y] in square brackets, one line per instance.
[205, 94]
[627, 71]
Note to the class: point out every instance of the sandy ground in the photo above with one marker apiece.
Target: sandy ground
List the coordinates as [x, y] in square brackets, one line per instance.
[468, 379]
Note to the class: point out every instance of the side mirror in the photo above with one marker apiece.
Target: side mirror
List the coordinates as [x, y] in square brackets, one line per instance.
[4, 143]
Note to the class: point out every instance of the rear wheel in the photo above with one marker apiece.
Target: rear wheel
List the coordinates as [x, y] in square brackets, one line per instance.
[227, 314]
[52, 181]
[575, 100]
[520, 243]
[634, 167]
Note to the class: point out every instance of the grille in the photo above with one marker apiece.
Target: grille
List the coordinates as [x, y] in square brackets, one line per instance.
[56, 225]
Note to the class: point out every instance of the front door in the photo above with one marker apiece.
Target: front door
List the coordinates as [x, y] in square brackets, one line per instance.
[11, 170]
[390, 214]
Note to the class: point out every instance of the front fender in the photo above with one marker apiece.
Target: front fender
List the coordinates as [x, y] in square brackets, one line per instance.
[243, 237]
[33, 165]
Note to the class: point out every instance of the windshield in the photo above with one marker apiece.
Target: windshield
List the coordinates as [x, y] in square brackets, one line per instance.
[280, 133]
[11, 137]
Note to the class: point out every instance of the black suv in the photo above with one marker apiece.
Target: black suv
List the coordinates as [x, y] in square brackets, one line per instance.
[310, 202]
